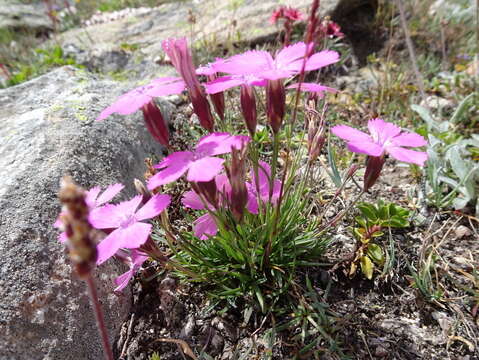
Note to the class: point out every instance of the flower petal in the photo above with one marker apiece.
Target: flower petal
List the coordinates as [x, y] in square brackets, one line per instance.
[127, 208]
[109, 193]
[131, 237]
[164, 88]
[205, 225]
[219, 143]
[175, 158]
[123, 280]
[205, 169]
[222, 84]
[321, 59]
[91, 196]
[249, 62]
[290, 54]
[105, 217]
[350, 134]
[192, 200]
[62, 237]
[312, 87]
[367, 147]
[111, 216]
[109, 246]
[406, 155]
[153, 207]
[173, 171]
[409, 139]
[382, 131]
[252, 204]
[127, 103]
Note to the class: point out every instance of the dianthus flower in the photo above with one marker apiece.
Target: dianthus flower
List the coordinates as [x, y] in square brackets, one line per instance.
[126, 220]
[288, 62]
[93, 200]
[137, 98]
[385, 138]
[136, 260]
[285, 12]
[201, 163]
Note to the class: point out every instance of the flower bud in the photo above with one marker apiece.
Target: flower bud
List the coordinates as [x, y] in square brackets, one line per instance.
[218, 100]
[208, 190]
[374, 165]
[142, 190]
[248, 108]
[155, 123]
[180, 55]
[275, 103]
[237, 177]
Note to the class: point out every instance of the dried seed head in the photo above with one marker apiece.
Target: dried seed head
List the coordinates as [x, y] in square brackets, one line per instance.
[82, 249]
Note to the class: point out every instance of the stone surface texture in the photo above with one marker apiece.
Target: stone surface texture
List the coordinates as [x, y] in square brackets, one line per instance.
[47, 130]
[216, 22]
[33, 16]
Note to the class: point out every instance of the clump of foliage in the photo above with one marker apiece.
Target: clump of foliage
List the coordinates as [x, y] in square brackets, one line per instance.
[371, 223]
[42, 61]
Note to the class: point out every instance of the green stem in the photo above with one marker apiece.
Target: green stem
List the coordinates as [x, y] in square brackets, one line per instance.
[341, 215]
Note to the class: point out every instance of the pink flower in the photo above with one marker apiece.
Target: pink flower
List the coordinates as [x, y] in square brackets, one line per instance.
[288, 62]
[205, 226]
[226, 82]
[136, 260]
[385, 138]
[137, 98]
[330, 29]
[209, 69]
[125, 218]
[260, 188]
[200, 163]
[313, 88]
[93, 199]
[285, 12]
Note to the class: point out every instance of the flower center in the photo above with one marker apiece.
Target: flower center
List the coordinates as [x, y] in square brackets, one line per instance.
[127, 220]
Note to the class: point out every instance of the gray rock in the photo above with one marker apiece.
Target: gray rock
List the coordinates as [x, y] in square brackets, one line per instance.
[217, 22]
[47, 130]
[24, 16]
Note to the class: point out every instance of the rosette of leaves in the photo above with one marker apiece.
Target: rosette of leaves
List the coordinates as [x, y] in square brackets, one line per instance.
[371, 222]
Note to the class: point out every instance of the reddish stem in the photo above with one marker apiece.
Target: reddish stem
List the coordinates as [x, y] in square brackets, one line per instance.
[100, 321]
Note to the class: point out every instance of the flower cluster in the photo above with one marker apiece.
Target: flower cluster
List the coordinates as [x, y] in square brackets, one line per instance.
[228, 183]
[287, 13]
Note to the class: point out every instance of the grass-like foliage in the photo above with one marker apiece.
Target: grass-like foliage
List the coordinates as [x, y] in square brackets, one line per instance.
[257, 258]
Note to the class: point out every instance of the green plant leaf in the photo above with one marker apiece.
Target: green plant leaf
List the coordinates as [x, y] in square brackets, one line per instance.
[367, 267]
[376, 253]
[369, 211]
[461, 108]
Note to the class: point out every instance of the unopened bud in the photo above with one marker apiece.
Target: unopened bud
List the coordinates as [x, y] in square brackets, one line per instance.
[374, 165]
[218, 100]
[275, 103]
[142, 190]
[237, 178]
[208, 190]
[248, 107]
[155, 123]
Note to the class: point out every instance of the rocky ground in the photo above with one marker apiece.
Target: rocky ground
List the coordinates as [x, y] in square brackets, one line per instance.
[350, 317]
